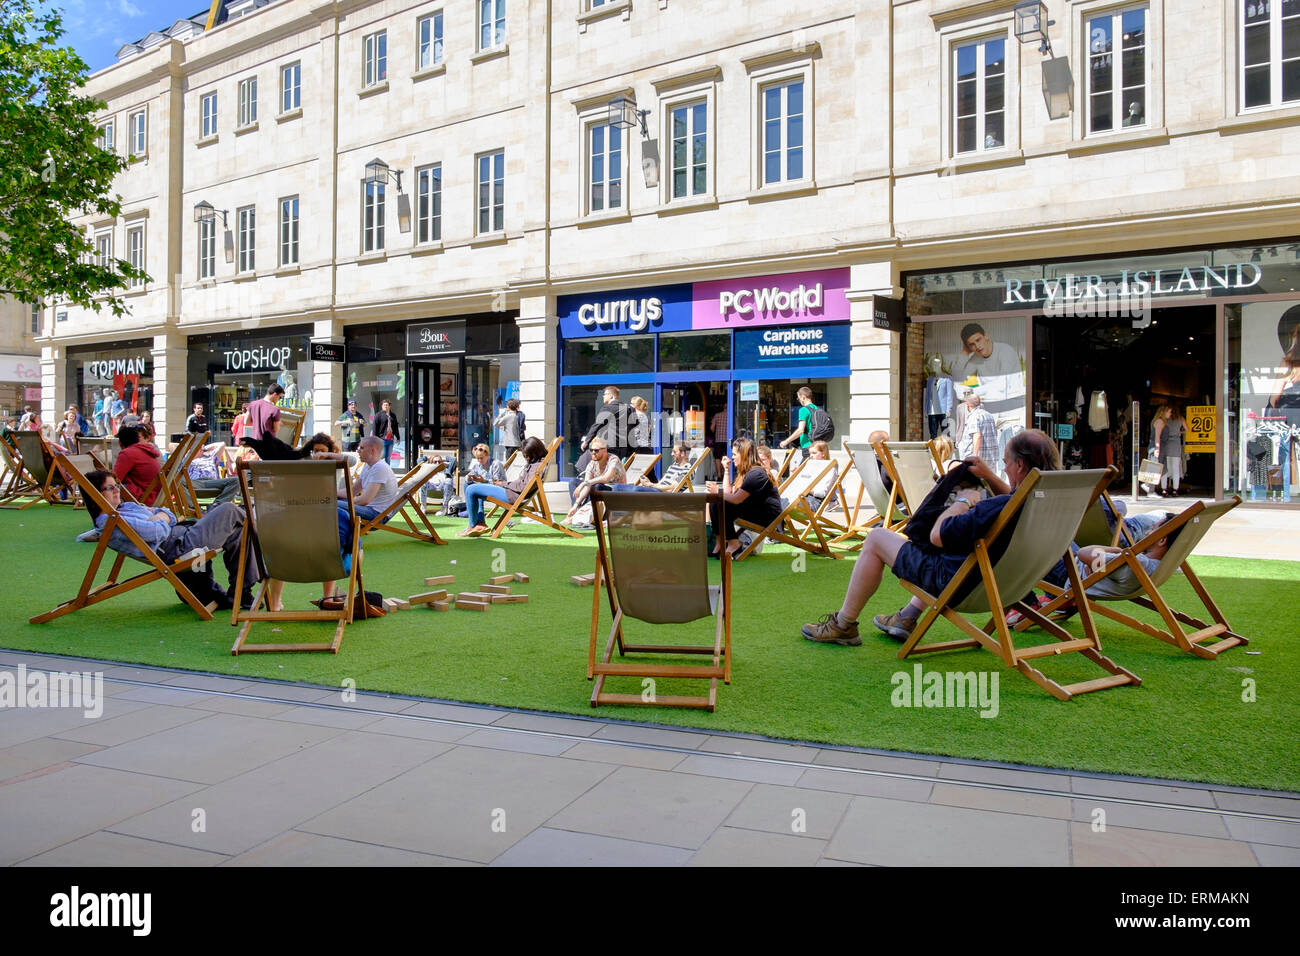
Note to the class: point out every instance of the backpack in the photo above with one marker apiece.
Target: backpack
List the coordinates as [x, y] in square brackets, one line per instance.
[821, 425]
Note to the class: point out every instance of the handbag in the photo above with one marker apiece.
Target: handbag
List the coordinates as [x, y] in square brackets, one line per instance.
[1150, 471]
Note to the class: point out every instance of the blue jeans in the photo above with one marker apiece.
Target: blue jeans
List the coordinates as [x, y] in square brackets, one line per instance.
[476, 494]
[621, 488]
[388, 449]
[345, 526]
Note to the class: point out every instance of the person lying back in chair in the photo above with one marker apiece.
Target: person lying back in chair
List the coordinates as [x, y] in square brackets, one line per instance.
[672, 474]
[1122, 581]
[221, 528]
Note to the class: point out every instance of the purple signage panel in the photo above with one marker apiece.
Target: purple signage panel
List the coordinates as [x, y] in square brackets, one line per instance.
[790, 299]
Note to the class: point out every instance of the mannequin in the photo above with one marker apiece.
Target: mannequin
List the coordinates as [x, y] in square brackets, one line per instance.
[939, 395]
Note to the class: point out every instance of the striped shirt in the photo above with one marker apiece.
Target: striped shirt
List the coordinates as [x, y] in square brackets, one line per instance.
[981, 422]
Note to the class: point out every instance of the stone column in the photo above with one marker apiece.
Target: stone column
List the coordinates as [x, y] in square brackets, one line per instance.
[538, 364]
[171, 394]
[874, 353]
[327, 383]
[55, 387]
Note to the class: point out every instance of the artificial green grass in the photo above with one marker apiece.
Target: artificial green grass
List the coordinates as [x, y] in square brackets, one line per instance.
[1187, 720]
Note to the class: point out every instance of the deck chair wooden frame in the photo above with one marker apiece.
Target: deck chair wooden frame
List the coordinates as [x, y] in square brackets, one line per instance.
[638, 464]
[1037, 524]
[18, 483]
[34, 457]
[785, 465]
[686, 483]
[872, 487]
[89, 593]
[407, 501]
[168, 486]
[911, 468]
[1192, 524]
[513, 466]
[832, 524]
[289, 428]
[798, 509]
[310, 549]
[668, 579]
[531, 502]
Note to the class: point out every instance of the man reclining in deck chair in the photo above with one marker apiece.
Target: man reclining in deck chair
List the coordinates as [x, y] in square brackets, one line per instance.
[952, 538]
[672, 476]
[374, 489]
[220, 528]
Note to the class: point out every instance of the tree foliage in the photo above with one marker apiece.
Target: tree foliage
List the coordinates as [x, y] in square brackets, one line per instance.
[51, 170]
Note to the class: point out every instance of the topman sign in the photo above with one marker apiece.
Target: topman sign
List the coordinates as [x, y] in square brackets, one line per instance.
[1138, 283]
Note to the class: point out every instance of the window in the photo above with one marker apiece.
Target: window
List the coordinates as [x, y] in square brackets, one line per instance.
[36, 318]
[208, 112]
[372, 216]
[137, 128]
[1270, 45]
[491, 191]
[782, 132]
[248, 101]
[247, 239]
[491, 24]
[979, 100]
[604, 167]
[689, 126]
[291, 87]
[289, 231]
[430, 40]
[104, 249]
[104, 139]
[135, 252]
[376, 58]
[428, 203]
[207, 248]
[1117, 70]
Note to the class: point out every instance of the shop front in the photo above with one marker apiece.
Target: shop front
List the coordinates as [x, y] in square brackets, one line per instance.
[1206, 341]
[228, 370]
[713, 360]
[444, 380]
[20, 385]
[107, 382]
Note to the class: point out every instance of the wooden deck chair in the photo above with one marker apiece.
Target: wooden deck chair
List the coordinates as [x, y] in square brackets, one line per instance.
[866, 464]
[1191, 526]
[798, 509]
[1031, 534]
[652, 563]
[289, 427]
[1095, 528]
[90, 593]
[165, 486]
[17, 482]
[291, 524]
[514, 467]
[785, 465]
[84, 464]
[34, 458]
[407, 501]
[638, 465]
[531, 502]
[686, 483]
[831, 521]
[911, 467]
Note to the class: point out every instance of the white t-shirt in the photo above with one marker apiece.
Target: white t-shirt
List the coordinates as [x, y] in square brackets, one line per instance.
[1000, 375]
[379, 474]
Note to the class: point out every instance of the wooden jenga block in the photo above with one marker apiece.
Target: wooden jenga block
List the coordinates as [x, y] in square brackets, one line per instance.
[510, 599]
[495, 588]
[464, 605]
[501, 579]
[584, 580]
[521, 577]
[441, 579]
[440, 605]
[480, 596]
[428, 597]
[396, 604]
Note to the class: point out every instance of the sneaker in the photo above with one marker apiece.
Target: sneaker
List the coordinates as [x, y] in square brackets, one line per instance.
[895, 625]
[1015, 617]
[829, 631]
[91, 535]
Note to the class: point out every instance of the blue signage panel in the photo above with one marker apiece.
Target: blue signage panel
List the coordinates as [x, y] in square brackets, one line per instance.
[665, 308]
[815, 345]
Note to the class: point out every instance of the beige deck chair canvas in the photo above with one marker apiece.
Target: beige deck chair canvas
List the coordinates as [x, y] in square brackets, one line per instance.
[911, 467]
[168, 486]
[289, 428]
[531, 502]
[514, 466]
[35, 458]
[291, 524]
[17, 482]
[89, 593]
[639, 464]
[799, 509]
[865, 460]
[407, 501]
[687, 482]
[652, 563]
[1191, 526]
[1031, 534]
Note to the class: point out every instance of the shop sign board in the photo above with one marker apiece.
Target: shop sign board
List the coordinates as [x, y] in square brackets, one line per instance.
[807, 345]
[638, 311]
[749, 391]
[432, 339]
[1202, 428]
[258, 358]
[789, 299]
[20, 368]
[1065, 432]
[327, 352]
[887, 313]
[107, 368]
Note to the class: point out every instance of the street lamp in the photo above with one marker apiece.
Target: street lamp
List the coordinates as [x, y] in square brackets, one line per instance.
[203, 212]
[1031, 25]
[378, 171]
[624, 114]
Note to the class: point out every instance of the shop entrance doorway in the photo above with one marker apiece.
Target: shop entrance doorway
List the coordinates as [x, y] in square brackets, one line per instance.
[434, 410]
[1089, 371]
[696, 413]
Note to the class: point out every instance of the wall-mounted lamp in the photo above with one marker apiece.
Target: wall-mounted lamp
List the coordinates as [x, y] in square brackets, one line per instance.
[624, 114]
[378, 171]
[203, 212]
[1031, 25]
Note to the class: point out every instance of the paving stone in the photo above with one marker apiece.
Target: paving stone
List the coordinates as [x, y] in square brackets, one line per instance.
[768, 749]
[176, 696]
[21, 724]
[211, 750]
[909, 765]
[773, 809]
[293, 692]
[133, 673]
[440, 711]
[311, 849]
[549, 724]
[1264, 831]
[901, 833]
[826, 861]
[419, 729]
[519, 742]
[1276, 855]
[549, 847]
[752, 770]
[650, 735]
[133, 725]
[226, 685]
[627, 756]
[1278, 806]
[375, 702]
[1001, 801]
[249, 809]
[32, 755]
[115, 849]
[654, 807]
[1131, 816]
[1120, 846]
[448, 806]
[223, 704]
[44, 812]
[866, 784]
[1006, 777]
[327, 717]
[1156, 793]
[731, 847]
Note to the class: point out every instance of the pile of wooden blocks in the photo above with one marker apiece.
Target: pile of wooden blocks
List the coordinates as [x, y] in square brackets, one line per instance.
[496, 591]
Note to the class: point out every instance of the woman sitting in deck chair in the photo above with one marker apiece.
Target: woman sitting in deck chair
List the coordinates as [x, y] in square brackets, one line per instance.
[506, 492]
[952, 539]
[751, 497]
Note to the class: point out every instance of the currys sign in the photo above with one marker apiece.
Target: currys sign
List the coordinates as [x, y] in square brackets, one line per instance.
[789, 299]
[657, 309]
